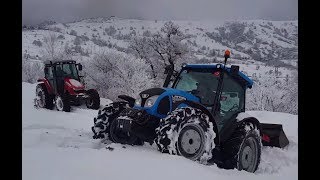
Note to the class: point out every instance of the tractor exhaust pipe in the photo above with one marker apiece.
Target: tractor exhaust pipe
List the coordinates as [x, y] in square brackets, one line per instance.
[219, 88]
[169, 70]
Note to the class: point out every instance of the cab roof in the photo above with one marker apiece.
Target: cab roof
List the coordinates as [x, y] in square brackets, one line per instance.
[60, 62]
[243, 77]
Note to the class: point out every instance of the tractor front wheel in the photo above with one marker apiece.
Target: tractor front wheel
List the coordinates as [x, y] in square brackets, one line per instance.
[93, 102]
[104, 118]
[63, 103]
[44, 100]
[119, 136]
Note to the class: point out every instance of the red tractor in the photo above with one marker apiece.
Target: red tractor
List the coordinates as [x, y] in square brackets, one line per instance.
[62, 87]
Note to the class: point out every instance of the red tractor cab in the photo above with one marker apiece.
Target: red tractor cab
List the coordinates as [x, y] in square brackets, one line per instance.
[62, 87]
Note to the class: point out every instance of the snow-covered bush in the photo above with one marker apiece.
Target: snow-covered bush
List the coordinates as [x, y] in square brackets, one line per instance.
[146, 33]
[61, 37]
[73, 32]
[77, 41]
[212, 53]
[272, 94]
[84, 38]
[37, 43]
[110, 31]
[99, 42]
[114, 74]
[31, 70]
[56, 29]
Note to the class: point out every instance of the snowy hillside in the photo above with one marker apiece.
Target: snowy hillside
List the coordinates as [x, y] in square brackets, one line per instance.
[259, 39]
[59, 146]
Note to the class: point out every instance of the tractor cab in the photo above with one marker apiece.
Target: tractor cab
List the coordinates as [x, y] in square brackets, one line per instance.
[57, 72]
[203, 81]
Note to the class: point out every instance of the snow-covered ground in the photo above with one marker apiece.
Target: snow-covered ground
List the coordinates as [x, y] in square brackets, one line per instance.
[58, 146]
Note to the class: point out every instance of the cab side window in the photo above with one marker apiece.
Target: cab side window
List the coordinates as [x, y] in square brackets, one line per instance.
[232, 99]
[49, 73]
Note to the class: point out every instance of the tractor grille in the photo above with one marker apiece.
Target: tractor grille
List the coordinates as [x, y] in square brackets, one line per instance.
[138, 116]
[79, 91]
[131, 112]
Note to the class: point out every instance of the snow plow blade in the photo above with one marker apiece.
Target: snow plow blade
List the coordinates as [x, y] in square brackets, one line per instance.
[273, 135]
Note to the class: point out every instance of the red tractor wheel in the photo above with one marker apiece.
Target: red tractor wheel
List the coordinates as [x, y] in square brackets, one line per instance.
[44, 100]
[63, 103]
[93, 101]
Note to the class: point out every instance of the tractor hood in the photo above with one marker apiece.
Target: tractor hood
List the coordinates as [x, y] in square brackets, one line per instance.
[74, 84]
[177, 92]
[164, 92]
[159, 101]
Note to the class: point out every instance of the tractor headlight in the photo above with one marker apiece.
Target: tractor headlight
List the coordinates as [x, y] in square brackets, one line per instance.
[150, 101]
[137, 102]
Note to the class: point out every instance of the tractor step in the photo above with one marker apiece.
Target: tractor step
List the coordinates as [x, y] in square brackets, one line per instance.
[273, 135]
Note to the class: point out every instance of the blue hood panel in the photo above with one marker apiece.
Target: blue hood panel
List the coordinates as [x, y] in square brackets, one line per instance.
[177, 92]
[168, 92]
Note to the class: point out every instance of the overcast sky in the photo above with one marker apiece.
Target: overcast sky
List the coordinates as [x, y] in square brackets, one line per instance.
[36, 11]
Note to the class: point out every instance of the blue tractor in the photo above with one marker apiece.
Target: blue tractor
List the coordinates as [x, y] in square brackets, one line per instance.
[201, 116]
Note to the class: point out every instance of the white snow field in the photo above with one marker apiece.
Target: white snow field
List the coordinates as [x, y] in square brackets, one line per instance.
[59, 146]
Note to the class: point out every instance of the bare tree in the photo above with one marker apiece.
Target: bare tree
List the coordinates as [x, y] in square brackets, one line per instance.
[167, 44]
[50, 46]
[143, 51]
[52, 50]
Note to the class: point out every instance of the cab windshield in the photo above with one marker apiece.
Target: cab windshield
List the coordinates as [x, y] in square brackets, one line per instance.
[201, 84]
[67, 70]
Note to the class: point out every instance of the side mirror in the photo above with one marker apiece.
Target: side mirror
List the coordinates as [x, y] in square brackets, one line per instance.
[194, 91]
[129, 99]
[80, 67]
[234, 70]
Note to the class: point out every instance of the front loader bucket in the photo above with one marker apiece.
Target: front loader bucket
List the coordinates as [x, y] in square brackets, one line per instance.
[273, 135]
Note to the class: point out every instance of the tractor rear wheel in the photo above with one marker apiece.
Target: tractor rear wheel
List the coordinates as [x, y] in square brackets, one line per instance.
[244, 148]
[43, 97]
[93, 102]
[63, 103]
[187, 132]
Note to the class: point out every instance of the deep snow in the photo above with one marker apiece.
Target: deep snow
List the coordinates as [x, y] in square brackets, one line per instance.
[58, 146]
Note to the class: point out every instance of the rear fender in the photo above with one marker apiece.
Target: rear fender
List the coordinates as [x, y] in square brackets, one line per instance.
[129, 99]
[252, 120]
[271, 134]
[231, 125]
[46, 83]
